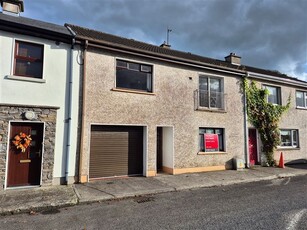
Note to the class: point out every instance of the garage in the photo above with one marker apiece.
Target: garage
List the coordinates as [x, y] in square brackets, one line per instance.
[116, 151]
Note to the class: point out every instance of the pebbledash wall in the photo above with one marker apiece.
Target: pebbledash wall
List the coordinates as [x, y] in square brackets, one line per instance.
[19, 93]
[172, 104]
[295, 119]
[15, 113]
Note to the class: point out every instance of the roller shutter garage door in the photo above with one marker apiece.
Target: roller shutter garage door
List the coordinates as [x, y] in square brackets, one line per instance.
[116, 151]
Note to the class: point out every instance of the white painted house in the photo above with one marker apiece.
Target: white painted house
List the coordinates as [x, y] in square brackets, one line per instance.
[39, 98]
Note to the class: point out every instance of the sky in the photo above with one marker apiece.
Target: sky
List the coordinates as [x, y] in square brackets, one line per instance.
[268, 34]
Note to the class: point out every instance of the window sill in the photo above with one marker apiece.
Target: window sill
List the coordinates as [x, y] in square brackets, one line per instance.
[28, 79]
[132, 91]
[301, 108]
[288, 148]
[211, 153]
[211, 110]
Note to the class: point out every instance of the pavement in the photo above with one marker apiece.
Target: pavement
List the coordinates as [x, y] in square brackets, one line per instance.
[31, 200]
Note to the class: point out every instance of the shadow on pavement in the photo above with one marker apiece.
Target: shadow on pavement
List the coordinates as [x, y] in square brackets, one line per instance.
[297, 164]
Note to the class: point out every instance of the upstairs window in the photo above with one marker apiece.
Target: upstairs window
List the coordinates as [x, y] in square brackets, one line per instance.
[301, 99]
[289, 138]
[211, 140]
[135, 76]
[28, 59]
[211, 93]
[274, 96]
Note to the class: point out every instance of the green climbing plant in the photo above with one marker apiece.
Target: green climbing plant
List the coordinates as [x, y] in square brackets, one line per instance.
[264, 116]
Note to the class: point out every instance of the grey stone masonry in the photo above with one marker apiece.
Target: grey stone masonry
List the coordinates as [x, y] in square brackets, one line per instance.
[16, 113]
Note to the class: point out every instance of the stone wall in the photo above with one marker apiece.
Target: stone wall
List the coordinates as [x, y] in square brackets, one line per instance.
[15, 113]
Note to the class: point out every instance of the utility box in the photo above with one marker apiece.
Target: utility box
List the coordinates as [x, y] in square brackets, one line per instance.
[238, 163]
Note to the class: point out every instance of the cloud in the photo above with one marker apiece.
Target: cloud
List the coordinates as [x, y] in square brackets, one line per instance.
[269, 34]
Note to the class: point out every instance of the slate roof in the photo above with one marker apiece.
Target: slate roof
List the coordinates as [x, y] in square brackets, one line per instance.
[28, 26]
[125, 43]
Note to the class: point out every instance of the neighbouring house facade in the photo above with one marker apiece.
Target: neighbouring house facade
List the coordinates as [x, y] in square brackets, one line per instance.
[37, 101]
[153, 109]
[150, 109]
[293, 125]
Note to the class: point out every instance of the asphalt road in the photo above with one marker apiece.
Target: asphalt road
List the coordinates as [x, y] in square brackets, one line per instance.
[277, 204]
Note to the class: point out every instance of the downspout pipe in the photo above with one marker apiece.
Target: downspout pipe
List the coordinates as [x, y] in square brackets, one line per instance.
[69, 112]
[247, 165]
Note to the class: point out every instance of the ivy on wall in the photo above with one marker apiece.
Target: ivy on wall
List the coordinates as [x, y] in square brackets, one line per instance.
[264, 116]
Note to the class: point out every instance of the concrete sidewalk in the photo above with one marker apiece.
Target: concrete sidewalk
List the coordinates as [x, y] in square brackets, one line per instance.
[23, 200]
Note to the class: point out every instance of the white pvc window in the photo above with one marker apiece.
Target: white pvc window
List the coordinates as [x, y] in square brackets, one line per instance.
[289, 138]
[301, 99]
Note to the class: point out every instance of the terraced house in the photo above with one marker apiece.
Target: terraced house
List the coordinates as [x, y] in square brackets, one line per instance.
[150, 109]
[78, 105]
[37, 101]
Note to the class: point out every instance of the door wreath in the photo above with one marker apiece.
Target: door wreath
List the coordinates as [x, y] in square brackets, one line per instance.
[22, 141]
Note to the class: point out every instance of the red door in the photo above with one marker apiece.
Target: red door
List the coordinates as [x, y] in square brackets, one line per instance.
[252, 145]
[24, 166]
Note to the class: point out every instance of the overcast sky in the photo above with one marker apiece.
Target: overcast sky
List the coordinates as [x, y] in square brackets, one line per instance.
[269, 34]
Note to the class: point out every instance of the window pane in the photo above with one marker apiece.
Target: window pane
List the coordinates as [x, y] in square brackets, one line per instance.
[300, 99]
[285, 136]
[27, 68]
[120, 63]
[203, 83]
[294, 138]
[145, 68]
[215, 85]
[134, 66]
[204, 98]
[274, 94]
[29, 50]
[133, 80]
[201, 142]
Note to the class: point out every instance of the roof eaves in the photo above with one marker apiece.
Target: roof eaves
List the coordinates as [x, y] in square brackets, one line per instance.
[119, 47]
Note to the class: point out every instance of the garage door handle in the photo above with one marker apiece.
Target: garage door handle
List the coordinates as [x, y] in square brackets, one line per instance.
[25, 161]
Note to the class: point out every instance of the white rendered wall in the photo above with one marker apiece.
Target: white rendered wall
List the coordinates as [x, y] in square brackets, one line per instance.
[53, 92]
[168, 147]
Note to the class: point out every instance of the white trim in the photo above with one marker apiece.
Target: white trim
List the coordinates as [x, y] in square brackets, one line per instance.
[24, 78]
[7, 153]
[145, 153]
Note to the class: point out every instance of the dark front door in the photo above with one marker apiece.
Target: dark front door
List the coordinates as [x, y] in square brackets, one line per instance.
[159, 148]
[24, 166]
[252, 146]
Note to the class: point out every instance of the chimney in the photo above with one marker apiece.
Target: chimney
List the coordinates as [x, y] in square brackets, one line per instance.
[233, 59]
[12, 7]
[165, 45]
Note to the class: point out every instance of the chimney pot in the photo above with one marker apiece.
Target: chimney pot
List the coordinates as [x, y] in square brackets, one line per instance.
[165, 45]
[13, 7]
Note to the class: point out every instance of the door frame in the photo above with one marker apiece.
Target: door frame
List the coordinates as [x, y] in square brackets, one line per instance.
[172, 166]
[7, 154]
[257, 145]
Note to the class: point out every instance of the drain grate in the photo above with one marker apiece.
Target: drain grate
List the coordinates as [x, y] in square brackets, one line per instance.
[143, 199]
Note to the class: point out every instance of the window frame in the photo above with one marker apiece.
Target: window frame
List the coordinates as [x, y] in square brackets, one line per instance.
[292, 131]
[209, 77]
[142, 65]
[278, 90]
[202, 148]
[29, 59]
[304, 99]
